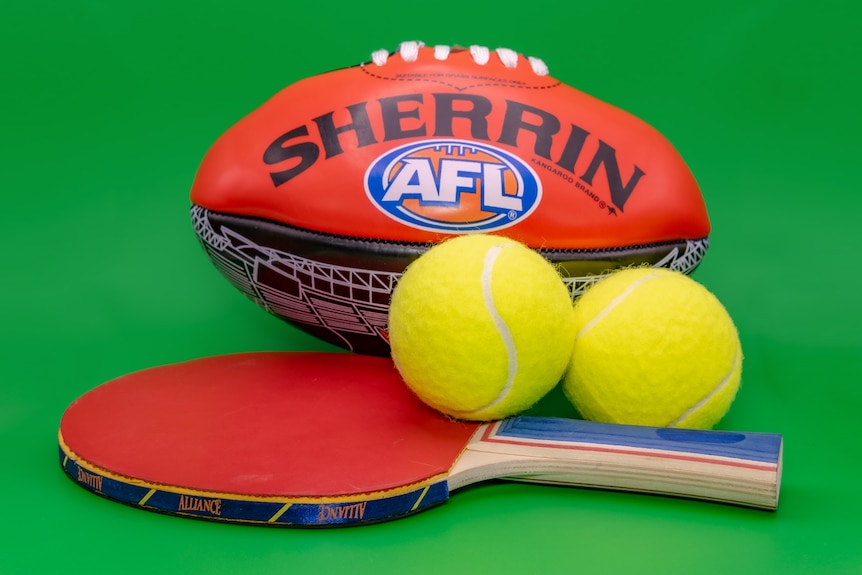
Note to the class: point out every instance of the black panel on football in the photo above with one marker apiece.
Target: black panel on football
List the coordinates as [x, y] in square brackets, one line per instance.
[338, 288]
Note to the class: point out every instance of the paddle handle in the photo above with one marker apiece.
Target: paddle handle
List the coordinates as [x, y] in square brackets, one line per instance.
[737, 468]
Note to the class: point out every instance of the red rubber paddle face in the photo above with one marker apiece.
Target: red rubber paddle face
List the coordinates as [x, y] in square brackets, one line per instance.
[303, 425]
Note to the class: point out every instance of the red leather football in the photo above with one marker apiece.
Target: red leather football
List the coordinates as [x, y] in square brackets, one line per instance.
[313, 204]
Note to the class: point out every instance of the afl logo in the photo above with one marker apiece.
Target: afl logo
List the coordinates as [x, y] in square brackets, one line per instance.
[453, 186]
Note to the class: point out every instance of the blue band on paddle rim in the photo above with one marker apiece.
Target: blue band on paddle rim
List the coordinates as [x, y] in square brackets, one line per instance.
[232, 508]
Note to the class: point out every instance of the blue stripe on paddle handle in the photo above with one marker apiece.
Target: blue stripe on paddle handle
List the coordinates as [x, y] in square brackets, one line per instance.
[755, 447]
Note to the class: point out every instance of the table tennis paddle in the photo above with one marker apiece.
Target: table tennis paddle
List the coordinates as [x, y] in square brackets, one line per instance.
[328, 439]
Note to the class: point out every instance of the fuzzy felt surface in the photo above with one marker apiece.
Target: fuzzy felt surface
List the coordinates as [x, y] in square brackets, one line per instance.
[481, 327]
[654, 347]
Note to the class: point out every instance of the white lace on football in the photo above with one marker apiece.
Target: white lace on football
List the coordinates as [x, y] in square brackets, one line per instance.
[480, 54]
[539, 66]
[441, 52]
[509, 58]
[409, 52]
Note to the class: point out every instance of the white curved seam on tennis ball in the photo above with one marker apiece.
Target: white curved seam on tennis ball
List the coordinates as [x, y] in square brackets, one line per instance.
[715, 391]
[614, 303]
[611, 306]
[500, 324]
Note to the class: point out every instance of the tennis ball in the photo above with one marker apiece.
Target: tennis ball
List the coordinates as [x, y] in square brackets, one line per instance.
[481, 327]
[653, 347]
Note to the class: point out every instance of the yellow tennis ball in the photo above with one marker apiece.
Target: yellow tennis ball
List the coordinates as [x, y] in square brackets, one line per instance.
[481, 327]
[653, 347]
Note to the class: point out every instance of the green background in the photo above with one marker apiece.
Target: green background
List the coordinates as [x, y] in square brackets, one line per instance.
[108, 107]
